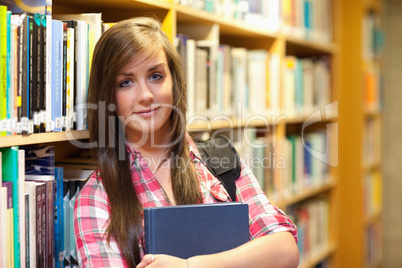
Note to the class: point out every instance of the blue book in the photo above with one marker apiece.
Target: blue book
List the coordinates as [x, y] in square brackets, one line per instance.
[189, 230]
[57, 73]
[59, 219]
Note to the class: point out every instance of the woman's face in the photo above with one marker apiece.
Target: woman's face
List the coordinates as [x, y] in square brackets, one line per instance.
[144, 96]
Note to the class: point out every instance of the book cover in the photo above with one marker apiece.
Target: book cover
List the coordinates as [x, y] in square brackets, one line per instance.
[39, 159]
[189, 230]
[9, 223]
[10, 173]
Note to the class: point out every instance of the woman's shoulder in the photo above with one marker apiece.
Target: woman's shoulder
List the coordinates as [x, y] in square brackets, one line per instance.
[93, 188]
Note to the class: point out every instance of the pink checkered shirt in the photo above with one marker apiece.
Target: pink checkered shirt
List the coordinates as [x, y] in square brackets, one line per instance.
[92, 208]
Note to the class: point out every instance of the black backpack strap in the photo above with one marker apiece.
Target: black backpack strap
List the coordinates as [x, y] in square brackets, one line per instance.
[222, 160]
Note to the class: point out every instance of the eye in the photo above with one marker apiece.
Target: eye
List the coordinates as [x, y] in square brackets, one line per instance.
[155, 77]
[125, 83]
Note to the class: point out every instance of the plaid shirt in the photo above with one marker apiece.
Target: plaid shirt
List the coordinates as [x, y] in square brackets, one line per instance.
[92, 208]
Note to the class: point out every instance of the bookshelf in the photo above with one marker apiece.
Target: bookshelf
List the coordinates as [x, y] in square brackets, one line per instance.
[177, 19]
[360, 134]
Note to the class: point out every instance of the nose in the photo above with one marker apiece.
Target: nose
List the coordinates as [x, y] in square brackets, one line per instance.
[145, 93]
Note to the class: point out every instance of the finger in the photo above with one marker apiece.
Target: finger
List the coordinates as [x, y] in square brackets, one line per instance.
[147, 260]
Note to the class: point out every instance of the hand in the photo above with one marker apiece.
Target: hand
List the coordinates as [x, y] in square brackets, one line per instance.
[161, 260]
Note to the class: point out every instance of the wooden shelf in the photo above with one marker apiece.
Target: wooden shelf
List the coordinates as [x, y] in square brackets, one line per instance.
[17, 140]
[115, 4]
[229, 27]
[314, 191]
[324, 253]
[305, 47]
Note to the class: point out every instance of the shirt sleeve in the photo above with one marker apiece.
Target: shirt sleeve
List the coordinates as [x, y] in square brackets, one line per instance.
[264, 217]
[91, 219]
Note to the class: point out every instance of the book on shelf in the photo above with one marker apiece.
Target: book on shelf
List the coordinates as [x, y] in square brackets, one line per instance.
[59, 250]
[7, 189]
[57, 75]
[3, 226]
[3, 69]
[312, 221]
[307, 19]
[190, 230]
[30, 187]
[10, 173]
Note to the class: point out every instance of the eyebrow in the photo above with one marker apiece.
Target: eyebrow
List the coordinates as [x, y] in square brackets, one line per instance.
[149, 70]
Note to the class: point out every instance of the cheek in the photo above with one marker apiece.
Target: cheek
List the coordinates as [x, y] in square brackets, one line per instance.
[123, 101]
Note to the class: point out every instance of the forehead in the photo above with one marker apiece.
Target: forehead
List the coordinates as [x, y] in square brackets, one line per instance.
[145, 60]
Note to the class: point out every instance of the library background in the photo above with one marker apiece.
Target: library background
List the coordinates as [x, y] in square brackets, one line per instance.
[306, 89]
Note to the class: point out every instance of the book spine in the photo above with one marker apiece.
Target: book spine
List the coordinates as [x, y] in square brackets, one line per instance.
[49, 223]
[32, 72]
[3, 226]
[27, 251]
[3, 69]
[10, 173]
[59, 219]
[66, 231]
[10, 224]
[48, 69]
[41, 225]
[43, 74]
[21, 208]
[30, 187]
[10, 75]
[64, 94]
[25, 76]
[57, 65]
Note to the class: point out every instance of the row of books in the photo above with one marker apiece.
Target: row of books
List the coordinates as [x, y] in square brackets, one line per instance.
[240, 82]
[373, 36]
[306, 19]
[372, 194]
[283, 167]
[312, 221]
[36, 205]
[372, 141]
[45, 67]
[372, 86]
[373, 245]
[306, 84]
[225, 80]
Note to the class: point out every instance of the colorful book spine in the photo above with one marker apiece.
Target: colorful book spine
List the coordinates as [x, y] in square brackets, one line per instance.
[59, 219]
[3, 69]
[10, 173]
[10, 75]
[57, 74]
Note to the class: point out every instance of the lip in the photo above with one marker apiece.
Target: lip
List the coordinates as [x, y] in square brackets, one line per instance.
[146, 113]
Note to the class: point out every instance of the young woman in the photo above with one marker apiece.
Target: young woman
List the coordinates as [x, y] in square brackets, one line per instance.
[137, 95]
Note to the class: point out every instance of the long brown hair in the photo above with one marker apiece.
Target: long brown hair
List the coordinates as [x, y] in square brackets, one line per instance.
[117, 46]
